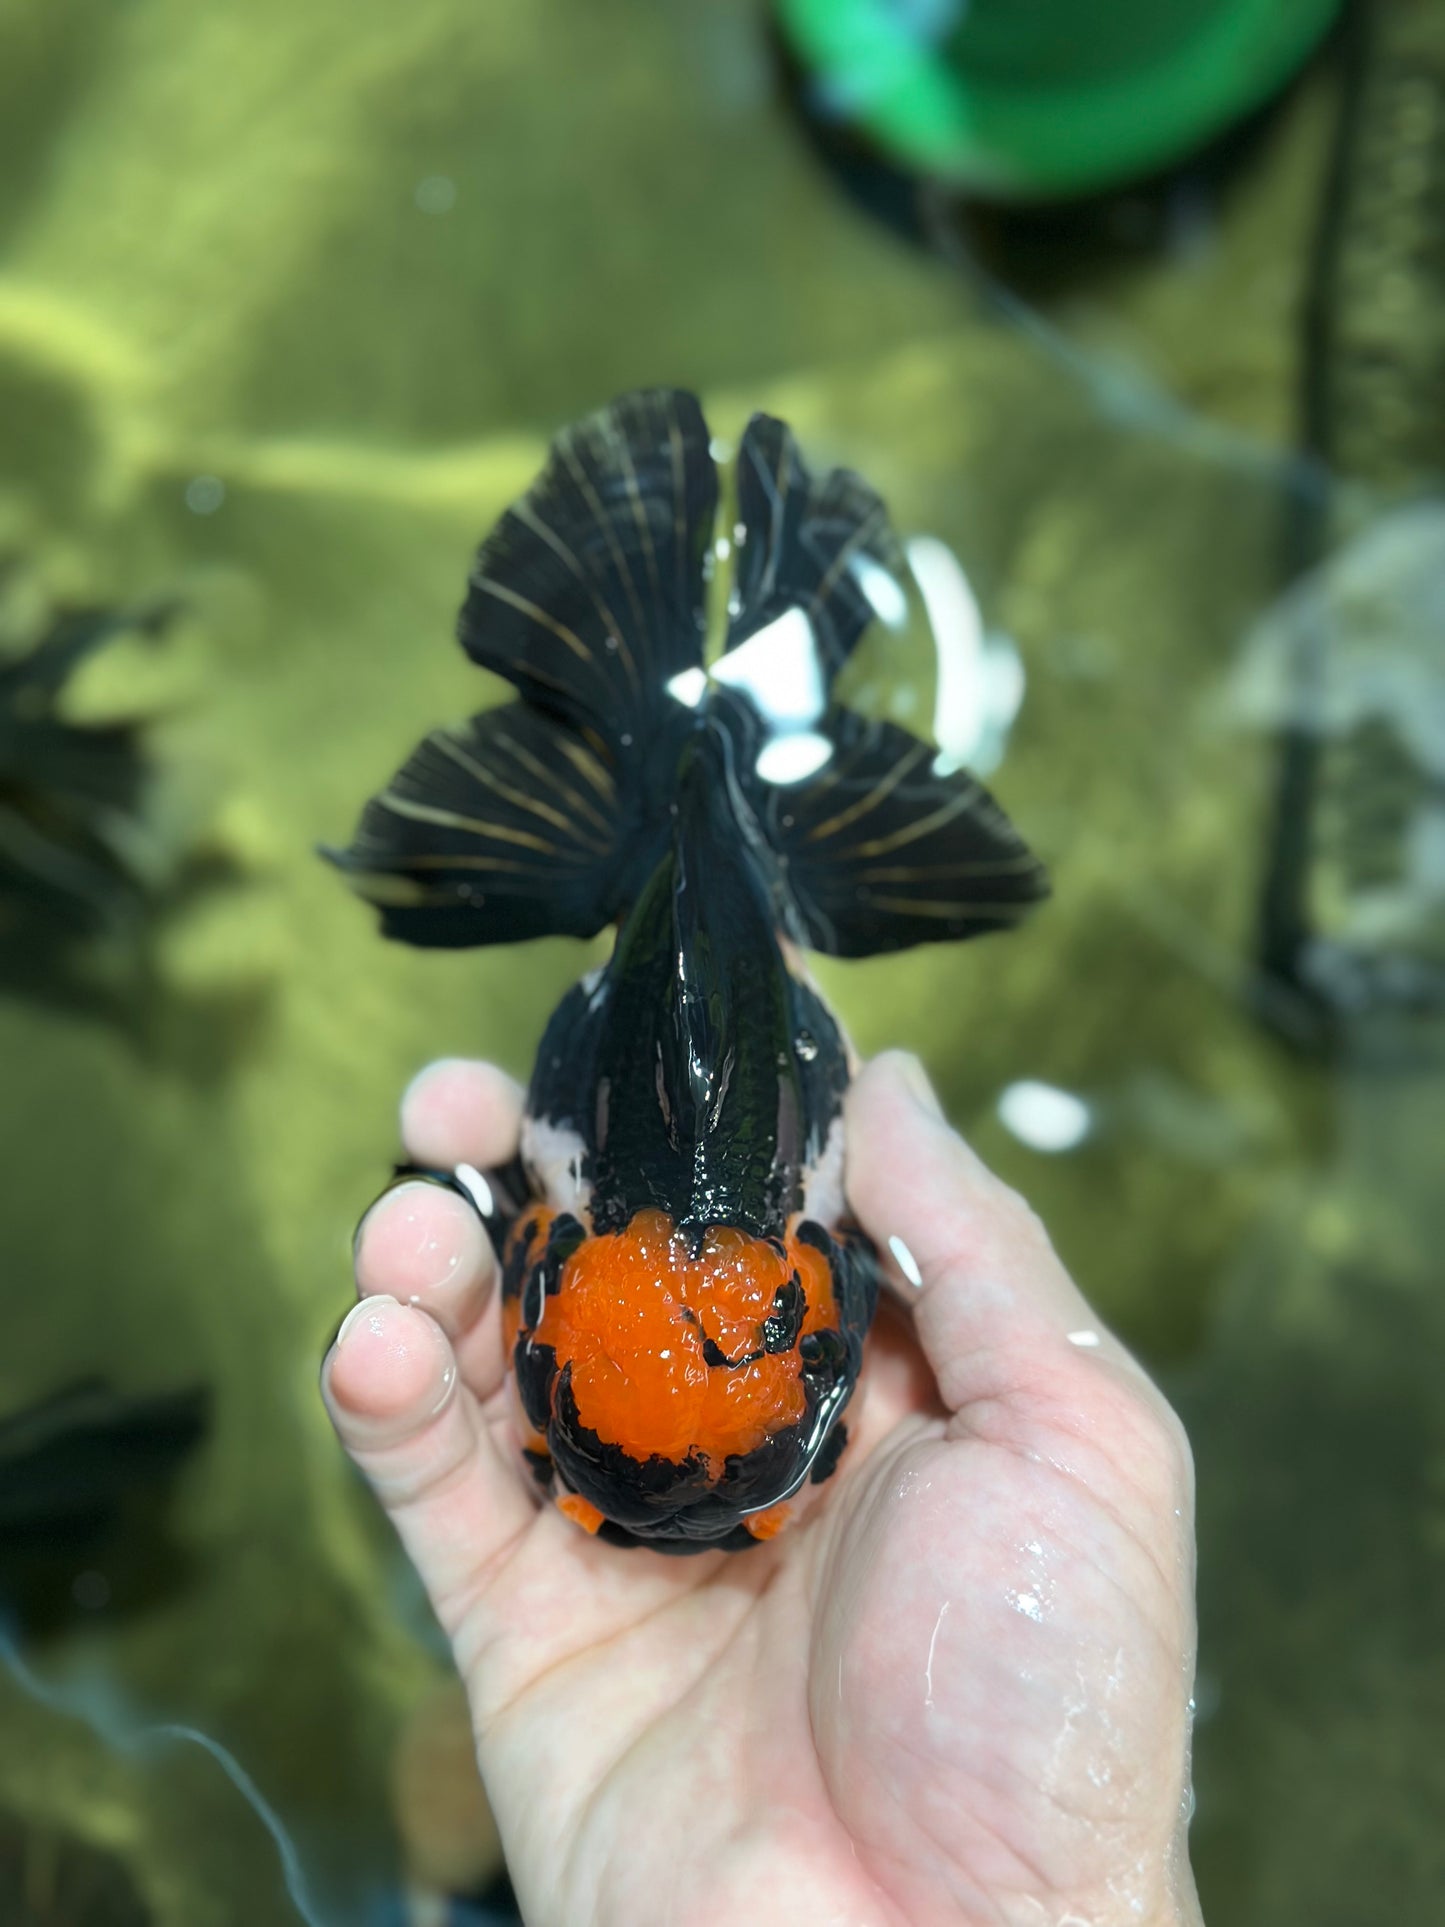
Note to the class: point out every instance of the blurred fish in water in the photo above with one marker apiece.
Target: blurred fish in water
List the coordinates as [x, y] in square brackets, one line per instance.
[684, 1304]
[72, 1468]
[74, 852]
[105, 850]
[66, 1462]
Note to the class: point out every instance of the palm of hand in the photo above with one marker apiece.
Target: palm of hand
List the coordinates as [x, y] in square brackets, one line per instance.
[956, 1691]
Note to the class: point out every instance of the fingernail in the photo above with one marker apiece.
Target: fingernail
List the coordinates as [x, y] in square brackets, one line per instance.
[917, 1081]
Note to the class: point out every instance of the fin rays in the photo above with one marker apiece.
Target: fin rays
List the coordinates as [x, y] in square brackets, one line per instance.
[469, 844]
[881, 782]
[588, 596]
[546, 815]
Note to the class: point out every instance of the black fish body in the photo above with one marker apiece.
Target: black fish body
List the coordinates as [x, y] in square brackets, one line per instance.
[684, 1302]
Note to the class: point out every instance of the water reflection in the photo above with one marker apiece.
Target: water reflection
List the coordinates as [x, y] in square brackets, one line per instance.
[980, 676]
[1044, 1117]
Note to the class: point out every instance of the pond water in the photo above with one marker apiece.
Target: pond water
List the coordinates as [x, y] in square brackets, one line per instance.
[291, 299]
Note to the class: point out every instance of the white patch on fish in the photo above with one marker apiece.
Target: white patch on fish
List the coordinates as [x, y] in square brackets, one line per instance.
[553, 1155]
[823, 1199]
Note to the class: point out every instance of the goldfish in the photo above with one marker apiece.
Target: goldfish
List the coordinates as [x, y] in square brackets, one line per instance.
[684, 1298]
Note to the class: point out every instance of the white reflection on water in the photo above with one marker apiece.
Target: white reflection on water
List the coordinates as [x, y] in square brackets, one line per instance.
[794, 757]
[779, 669]
[1043, 1116]
[687, 687]
[980, 676]
[886, 594]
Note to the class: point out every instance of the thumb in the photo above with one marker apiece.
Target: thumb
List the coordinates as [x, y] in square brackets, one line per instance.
[993, 1301]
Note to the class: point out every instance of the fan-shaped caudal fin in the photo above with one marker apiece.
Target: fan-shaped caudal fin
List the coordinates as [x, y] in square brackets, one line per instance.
[881, 853]
[806, 544]
[588, 595]
[503, 829]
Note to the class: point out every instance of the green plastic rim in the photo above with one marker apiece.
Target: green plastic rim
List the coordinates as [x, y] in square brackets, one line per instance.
[985, 93]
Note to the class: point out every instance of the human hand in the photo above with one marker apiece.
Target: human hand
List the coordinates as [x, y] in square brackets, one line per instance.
[956, 1691]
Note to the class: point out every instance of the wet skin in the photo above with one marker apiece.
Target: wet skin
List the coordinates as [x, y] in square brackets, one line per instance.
[957, 1691]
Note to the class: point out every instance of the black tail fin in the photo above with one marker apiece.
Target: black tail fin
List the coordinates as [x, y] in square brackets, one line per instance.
[506, 828]
[588, 595]
[881, 853]
[804, 544]
[545, 816]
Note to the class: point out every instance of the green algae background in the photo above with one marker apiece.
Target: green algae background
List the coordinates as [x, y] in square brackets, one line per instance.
[354, 263]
